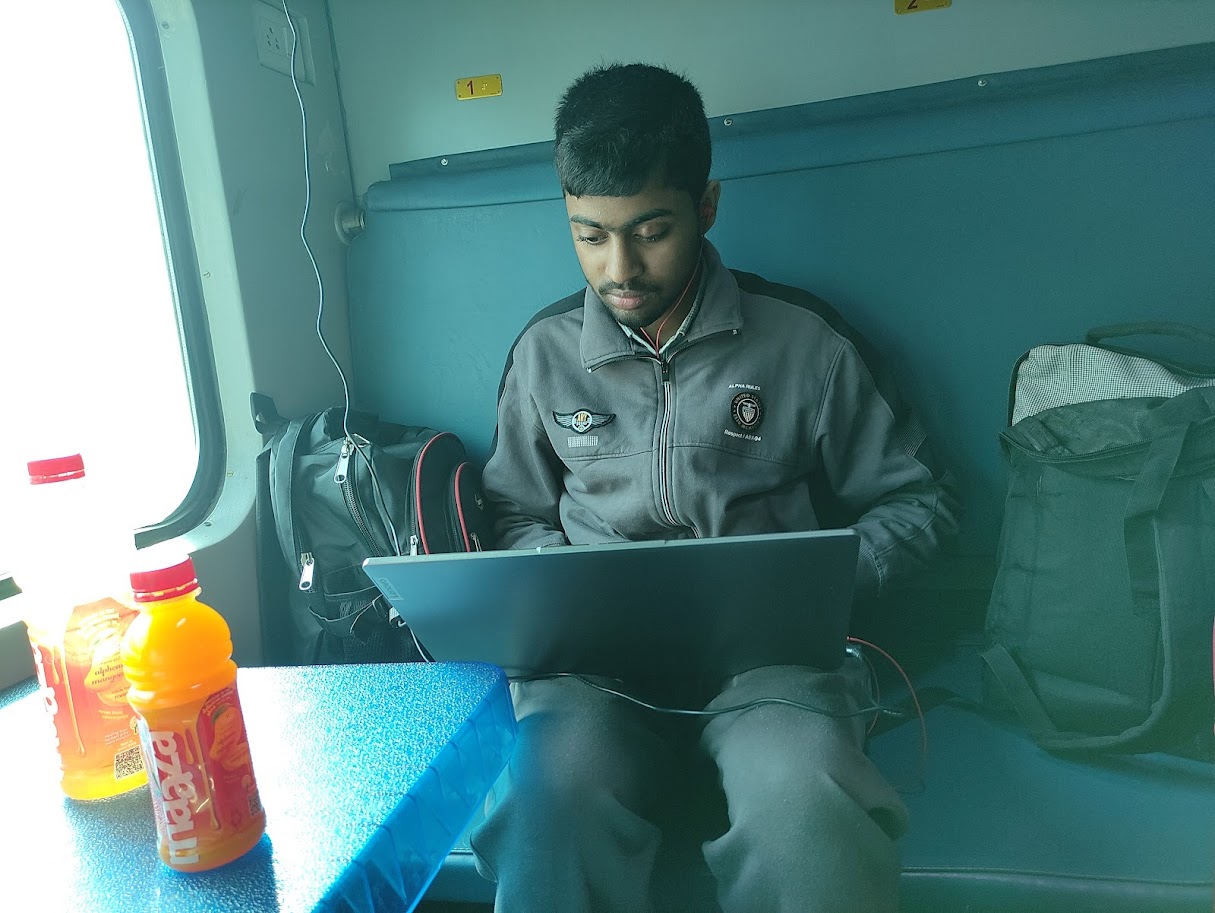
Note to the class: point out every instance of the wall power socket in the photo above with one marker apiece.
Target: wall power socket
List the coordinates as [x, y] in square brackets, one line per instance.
[272, 35]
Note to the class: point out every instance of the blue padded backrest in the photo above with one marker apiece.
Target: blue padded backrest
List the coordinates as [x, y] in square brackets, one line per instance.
[955, 225]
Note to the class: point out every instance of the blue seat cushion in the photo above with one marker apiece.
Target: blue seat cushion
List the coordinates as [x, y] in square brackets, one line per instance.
[996, 825]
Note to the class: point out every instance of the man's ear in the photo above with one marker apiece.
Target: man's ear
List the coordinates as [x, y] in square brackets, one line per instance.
[708, 205]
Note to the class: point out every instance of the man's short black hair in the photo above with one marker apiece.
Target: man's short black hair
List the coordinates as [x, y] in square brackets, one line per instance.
[622, 125]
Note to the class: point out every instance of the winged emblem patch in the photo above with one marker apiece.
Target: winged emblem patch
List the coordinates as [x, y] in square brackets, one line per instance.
[583, 420]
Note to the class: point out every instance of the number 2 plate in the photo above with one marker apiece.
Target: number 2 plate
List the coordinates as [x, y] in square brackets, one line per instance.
[918, 6]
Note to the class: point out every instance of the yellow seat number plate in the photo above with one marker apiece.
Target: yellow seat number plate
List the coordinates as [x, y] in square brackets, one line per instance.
[918, 6]
[479, 86]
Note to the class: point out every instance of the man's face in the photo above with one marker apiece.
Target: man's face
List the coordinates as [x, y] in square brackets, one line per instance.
[638, 253]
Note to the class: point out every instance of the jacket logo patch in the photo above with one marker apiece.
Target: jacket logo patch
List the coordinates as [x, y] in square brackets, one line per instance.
[747, 410]
[583, 420]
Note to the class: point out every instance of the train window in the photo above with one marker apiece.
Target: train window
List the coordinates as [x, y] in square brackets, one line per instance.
[105, 347]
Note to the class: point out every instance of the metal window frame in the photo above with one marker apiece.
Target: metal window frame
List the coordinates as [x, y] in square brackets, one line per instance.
[184, 277]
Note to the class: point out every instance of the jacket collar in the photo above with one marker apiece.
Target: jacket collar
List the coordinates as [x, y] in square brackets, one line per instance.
[604, 340]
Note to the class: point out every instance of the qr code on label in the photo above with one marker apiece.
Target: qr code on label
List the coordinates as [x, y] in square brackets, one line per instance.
[128, 762]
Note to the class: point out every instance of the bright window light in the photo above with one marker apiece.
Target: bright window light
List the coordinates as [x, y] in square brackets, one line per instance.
[92, 359]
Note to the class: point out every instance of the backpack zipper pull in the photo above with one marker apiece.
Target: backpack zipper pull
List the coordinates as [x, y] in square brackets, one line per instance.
[413, 545]
[343, 462]
[309, 565]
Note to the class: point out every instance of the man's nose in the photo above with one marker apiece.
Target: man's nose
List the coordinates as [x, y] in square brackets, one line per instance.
[623, 263]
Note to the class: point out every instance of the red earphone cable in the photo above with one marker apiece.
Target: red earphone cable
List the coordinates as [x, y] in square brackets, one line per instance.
[654, 343]
[914, 699]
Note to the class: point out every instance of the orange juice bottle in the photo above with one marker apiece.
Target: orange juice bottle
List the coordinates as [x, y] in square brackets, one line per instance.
[69, 577]
[177, 656]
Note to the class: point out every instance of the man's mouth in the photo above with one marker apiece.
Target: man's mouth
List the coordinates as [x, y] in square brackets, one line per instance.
[626, 298]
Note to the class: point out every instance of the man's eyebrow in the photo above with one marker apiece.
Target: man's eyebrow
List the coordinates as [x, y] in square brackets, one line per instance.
[646, 216]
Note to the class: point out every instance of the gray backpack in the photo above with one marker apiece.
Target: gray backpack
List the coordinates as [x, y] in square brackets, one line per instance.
[1099, 629]
[336, 490]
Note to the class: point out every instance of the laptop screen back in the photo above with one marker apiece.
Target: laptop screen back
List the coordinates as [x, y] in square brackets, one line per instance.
[645, 613]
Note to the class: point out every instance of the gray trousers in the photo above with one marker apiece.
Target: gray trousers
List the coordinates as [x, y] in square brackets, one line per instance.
[812, 824]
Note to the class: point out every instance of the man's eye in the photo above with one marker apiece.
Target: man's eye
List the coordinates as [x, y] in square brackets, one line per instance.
[656, 236]
[591, 239]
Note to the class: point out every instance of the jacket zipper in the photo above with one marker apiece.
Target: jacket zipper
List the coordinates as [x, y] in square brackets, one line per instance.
[664, 430]
[664, 484]
[664, 461]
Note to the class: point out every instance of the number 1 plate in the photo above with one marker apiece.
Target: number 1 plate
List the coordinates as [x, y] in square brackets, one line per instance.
[482, 86]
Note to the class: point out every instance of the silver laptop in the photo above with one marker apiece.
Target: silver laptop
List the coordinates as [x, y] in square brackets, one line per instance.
[645, 613]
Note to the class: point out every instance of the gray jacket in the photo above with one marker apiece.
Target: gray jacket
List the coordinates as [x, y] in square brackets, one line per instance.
[770, 415]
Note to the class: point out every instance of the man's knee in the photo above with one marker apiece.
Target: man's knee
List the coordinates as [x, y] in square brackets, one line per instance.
[782, 775]
[574, 742]
[557, 770]
[790, 799]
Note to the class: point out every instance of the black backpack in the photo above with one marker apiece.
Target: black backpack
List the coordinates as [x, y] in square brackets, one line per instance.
[1100, 622]
[327, 501]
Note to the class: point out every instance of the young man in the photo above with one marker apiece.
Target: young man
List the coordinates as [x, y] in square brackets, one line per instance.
[674, 398]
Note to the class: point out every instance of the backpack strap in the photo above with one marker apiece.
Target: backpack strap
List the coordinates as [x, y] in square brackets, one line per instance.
[1043, 730]
[272, 577]
[1098, 335]
[1170, 424]
[265, 414]
[282, 475]
[1139, 528]
[276, 560]
[274, 473]
[1020, 695]
[1200, 342]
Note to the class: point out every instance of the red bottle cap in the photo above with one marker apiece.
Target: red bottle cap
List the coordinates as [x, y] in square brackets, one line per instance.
[58, 469]
[164, 583]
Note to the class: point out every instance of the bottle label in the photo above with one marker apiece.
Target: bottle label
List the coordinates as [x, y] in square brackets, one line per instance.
[48, 679]
[85, 693]
[201, 776]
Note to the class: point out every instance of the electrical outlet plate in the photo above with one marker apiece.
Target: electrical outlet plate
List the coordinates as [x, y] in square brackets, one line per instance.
[272, 35]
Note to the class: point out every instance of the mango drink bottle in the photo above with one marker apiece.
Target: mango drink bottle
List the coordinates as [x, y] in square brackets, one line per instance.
[177, 656]
[69, 577]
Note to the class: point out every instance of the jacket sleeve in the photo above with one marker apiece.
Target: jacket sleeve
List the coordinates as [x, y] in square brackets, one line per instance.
[880, 467]
[522, 478]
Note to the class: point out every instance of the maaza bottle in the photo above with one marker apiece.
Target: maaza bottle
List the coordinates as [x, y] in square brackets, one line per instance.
[177, 656]
[73, 568]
